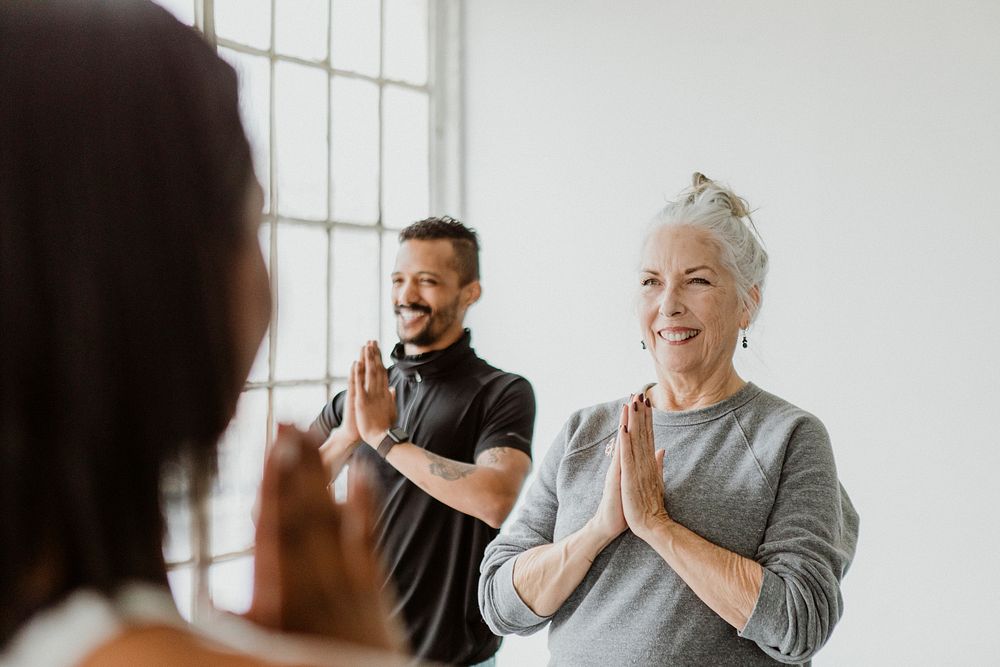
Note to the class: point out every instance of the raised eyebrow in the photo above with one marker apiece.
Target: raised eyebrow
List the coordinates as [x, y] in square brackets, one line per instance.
[652, 272]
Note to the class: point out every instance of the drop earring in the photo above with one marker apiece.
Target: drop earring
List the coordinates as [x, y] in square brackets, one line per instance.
[643, 343]
[745, 343]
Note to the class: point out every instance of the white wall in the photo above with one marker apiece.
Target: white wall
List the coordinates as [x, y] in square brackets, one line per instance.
[867, 135]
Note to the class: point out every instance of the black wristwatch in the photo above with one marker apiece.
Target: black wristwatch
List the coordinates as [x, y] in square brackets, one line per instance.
[393, 437]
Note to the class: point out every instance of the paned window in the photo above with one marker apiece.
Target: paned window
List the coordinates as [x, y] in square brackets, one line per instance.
[352, 111]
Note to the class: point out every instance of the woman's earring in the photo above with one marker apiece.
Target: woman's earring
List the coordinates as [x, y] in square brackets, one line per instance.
[745, 344]
[643, 343]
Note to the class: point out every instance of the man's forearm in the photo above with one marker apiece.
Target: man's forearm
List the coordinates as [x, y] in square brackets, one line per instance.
[336, 450]
[477, 490]
[545, 576]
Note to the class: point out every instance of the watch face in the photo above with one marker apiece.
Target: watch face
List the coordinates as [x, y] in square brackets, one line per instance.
[398, 435]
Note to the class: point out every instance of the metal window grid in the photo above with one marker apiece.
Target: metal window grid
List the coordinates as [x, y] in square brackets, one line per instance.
[446, 150]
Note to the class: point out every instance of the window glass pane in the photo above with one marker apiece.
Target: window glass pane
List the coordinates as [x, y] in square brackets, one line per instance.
[245, 21]
[389, 337]
[230, 584]
[258, 372]
[177, 544]
[182, 9]
[301, 303]
[241, 462]
[405, 187]
[179, 580]
[255, 85]
[355, 290]
[354, 39]
[300, 28]
[406, 40]
[300, 131]
[354, 133]
[299, 405]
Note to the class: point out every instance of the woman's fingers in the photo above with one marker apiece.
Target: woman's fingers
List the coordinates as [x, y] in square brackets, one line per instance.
[641, 429]
[316, 570]
[625, 455]
[279, 530]
[613, 478]
[616, 468]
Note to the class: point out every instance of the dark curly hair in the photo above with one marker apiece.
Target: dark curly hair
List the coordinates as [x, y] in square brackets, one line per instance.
[463, 239]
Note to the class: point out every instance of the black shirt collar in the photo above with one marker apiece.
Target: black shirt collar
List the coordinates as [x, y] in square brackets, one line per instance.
[436, 362]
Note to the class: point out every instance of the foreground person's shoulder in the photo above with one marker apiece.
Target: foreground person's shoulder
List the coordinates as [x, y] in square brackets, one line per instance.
[165, 645]
[172, 646]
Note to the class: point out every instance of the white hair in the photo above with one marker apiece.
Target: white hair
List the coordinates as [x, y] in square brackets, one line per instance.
[725, 215]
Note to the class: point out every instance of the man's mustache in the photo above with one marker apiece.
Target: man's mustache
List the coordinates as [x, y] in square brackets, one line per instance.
[422, 309]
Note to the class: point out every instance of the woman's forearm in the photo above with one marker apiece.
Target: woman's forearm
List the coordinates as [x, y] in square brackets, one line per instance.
[725, 581]
[545, 576]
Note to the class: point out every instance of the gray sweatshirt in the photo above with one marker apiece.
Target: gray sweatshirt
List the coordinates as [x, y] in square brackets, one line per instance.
[753, 474]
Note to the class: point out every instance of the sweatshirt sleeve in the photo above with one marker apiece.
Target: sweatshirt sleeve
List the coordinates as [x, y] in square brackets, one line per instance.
[808, 546]
[502, 608]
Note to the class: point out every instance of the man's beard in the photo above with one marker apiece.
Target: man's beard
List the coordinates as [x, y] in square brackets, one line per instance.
[437, 323]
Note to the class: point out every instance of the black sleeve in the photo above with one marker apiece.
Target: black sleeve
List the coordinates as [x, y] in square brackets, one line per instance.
[510, 418]
[329, 417]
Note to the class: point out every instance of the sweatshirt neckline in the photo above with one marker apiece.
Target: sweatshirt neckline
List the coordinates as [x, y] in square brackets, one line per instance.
[744, 395]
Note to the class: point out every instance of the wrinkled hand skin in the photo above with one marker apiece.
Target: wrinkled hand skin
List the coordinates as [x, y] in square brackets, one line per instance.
[642, 469]
[609, 520]
[316, 570]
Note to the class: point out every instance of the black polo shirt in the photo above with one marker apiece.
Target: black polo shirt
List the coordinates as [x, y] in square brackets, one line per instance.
[456, 405]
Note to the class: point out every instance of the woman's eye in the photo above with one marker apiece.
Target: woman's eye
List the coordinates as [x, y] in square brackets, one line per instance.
[700, 281]
[648, 282]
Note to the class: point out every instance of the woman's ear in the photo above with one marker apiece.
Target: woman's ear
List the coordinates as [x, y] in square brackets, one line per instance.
[749, 312]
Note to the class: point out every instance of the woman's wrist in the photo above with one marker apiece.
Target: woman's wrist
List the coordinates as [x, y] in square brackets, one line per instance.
[657, 525]
[594, 533]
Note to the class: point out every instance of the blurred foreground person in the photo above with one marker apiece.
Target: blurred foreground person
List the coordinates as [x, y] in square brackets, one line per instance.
[133, 298]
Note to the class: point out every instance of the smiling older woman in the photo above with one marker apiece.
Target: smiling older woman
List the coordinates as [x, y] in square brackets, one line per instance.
[722, 532]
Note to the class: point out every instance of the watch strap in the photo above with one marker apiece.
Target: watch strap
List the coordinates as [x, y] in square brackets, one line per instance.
[388, 442]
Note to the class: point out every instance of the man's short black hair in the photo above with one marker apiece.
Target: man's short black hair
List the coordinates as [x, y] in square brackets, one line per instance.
[463, 239]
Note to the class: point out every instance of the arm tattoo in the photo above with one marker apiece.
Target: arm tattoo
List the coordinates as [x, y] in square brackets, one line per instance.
[490, 456]
[446, 469]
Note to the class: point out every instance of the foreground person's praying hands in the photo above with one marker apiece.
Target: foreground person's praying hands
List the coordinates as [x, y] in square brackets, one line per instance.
[700, 520]
[315, 565]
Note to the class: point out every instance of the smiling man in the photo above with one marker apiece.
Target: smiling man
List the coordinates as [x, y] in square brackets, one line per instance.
[449, 445]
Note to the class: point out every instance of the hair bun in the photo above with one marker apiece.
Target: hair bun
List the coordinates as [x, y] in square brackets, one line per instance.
[704, 187]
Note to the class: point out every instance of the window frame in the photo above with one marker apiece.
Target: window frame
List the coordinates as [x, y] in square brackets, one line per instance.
[446, 181]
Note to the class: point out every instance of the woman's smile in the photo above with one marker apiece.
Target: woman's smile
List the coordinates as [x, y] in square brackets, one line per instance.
[678, 335]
